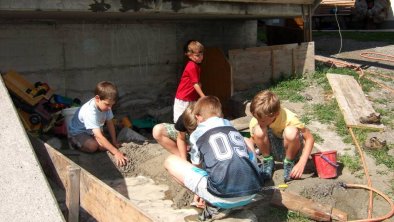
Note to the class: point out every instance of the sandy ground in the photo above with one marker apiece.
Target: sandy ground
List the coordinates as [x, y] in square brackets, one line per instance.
[145, 181]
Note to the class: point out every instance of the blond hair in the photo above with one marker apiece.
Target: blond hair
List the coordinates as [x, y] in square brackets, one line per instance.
[207, 107]
[189, 119]
[193, 46]
[106, 90]
[265, 104]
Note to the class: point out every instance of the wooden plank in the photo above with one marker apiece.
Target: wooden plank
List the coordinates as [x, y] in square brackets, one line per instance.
[250, 67]
[282, 63]
[261, 65]
[106, 204]
[304, 58]
[351, 100]
[307, 207]
[97, 198]
[216, 69]
[72, 193]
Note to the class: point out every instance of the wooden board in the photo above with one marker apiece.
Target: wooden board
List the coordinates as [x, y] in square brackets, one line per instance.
[351, 100]
[97, 198]
[216, 76]
[262, 65]
[307, 207]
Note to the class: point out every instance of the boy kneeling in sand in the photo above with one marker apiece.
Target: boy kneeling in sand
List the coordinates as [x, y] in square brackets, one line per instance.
[224, 171]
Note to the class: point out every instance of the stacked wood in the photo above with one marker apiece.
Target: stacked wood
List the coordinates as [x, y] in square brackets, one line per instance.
[328, 7]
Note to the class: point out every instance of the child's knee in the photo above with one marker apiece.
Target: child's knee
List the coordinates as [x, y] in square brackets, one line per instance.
[291, 134]
[90, 146]
[169, 162]
[157, 131]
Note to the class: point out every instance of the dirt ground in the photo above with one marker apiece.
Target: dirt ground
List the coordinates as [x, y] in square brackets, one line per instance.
[145, 181]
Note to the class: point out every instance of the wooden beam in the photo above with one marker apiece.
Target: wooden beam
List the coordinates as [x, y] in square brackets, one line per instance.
[101, 201]
[351, 100]
[307, 207]
[72, 193]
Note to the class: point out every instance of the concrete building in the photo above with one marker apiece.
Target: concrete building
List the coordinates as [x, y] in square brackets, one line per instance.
[72, 45]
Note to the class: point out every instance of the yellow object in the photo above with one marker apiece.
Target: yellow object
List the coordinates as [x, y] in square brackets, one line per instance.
[18, 85]
[283, 186]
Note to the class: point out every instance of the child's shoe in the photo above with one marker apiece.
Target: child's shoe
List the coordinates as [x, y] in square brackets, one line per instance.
[268, 167]
[287, 168]
[211, 213]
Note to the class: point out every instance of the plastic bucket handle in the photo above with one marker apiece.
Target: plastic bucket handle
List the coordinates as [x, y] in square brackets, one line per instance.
[329, 161]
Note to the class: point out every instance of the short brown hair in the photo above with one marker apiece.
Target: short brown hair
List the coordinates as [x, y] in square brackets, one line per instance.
[265, 103]
[208, 106]
[189, 119]
[106, 90]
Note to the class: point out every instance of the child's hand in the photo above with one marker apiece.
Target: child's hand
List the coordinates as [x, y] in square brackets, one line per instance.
[121, 159]
[297, 171]
[198, 202]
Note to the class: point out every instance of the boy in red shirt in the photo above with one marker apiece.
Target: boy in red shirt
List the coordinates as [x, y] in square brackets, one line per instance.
[189, 88]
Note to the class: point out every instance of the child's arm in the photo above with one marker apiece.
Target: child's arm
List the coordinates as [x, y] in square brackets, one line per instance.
[197, 87]
[121, 160]
[182, 145]
[298, 169]
[112, 133]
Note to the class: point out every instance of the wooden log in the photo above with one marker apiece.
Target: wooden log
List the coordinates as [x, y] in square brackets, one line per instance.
[307, 207]
[72, 193]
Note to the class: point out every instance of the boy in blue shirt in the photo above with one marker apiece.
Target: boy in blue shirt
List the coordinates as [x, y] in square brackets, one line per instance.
[224, 171]
[85, 129]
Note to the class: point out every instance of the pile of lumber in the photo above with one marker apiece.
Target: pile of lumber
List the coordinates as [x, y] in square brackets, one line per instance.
[328, 7]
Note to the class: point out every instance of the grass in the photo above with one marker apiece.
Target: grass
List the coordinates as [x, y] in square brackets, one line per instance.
[381, 157]
[329, 112]
[276, 214]
[353, 163]
[290, 89]
[360, 36]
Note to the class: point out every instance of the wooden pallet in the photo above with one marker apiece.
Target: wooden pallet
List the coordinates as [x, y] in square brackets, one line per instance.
[351, 100]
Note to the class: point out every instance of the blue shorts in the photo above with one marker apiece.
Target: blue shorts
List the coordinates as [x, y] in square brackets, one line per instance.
[196, 181]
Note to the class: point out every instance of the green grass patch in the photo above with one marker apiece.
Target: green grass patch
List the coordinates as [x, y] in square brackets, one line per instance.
[276, 214]
[353, 163]
[386, 116]
[327, 112]
[381, 157]
[318, 138]
[290, 89]
[359, 36]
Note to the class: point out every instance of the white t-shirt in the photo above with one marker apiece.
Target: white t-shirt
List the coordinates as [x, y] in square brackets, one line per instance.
[88, 117]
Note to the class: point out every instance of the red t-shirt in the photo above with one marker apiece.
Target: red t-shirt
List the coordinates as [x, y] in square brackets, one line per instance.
[190, 76]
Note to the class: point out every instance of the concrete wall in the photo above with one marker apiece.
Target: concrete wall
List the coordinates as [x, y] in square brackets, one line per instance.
[143, 58]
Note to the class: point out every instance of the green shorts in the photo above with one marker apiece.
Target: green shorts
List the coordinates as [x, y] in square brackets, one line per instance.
[277, 147]
[172, 133]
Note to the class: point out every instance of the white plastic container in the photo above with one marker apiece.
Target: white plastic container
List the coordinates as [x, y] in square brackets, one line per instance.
[68, 115]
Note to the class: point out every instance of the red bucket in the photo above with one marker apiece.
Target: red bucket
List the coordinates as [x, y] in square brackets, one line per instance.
[326, 164]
